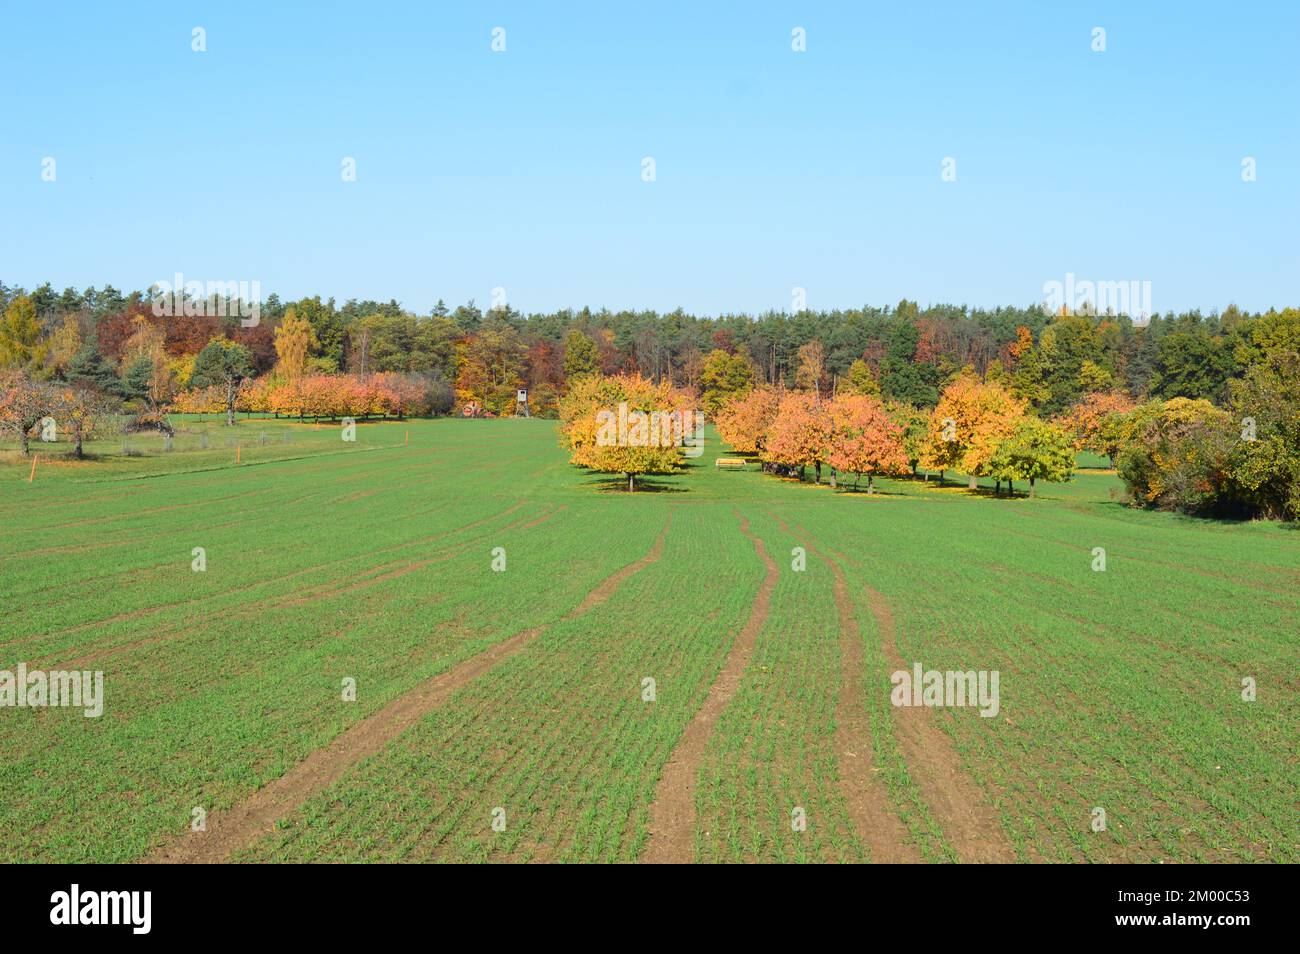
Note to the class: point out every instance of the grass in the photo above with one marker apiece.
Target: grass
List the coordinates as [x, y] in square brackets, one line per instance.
[372, 560]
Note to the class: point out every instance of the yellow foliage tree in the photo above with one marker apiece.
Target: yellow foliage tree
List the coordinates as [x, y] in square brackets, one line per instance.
[625, 424]
[968, 423]
[294, 339]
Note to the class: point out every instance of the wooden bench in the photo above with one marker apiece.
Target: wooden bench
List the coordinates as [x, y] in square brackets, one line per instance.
[729, 462]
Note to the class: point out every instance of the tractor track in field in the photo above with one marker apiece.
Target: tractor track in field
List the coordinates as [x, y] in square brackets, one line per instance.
[959, 806]
[672, 813]
[878, 827]
[231, 830]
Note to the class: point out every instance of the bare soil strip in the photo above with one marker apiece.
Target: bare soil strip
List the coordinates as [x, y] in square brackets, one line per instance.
[958, 804]
[877, 826]
[258, 814]
[672, 815]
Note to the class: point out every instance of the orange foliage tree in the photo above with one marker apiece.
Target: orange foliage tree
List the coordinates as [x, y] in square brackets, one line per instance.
[1094, 421]
[744, 421]
[329, 396]
[865, 439]
[207, 400]
[800, 436]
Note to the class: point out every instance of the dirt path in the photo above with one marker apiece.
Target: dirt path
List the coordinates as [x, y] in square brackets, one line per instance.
[957, 802]
[877, 826]
[257, 815]
[672, 815]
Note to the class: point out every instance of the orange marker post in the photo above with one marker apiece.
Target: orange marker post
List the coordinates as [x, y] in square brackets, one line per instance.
[238, 448]
[408, 438]
[33, 473]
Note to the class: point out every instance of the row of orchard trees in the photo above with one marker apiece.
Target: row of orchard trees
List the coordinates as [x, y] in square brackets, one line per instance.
[977, 428]
[317, 396]
[1183, 454]
[627, 424]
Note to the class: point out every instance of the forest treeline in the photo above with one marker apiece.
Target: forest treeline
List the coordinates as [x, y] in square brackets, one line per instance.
[1199, 413]
[912, 352]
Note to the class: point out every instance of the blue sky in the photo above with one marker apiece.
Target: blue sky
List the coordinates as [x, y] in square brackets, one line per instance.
[774, 169]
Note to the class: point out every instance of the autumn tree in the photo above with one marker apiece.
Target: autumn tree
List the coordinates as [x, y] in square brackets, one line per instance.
[224, 364]
[82, 412]
[200, 401]
[966, 425]
[800, 436]
[22, 406]
[64, 345]
[723, 377]
[1034, 450]
[624, 424]
[294, 341]
[20, 335]
[145, 365]
[811, 367]
[491, 368]
[744, 421]
[865, 439]
[1093, 422]
[1177, 454]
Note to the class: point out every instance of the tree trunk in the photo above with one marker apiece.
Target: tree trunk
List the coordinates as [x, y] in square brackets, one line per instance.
[1011, 488]
[972, 484]
[997, 487]
[26, 445]
[1031, 487]
[818, 465]
[631, 483]
[871, 483]
[80, 454]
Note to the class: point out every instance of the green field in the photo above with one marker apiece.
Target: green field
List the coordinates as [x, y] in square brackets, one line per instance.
[373, 561]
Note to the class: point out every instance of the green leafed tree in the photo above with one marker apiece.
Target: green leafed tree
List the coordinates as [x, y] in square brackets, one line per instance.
[859, 380]
[225, 364]
[723, 377]
[580, 355]
[1035, 450]
[90, 369]
[138, 378]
